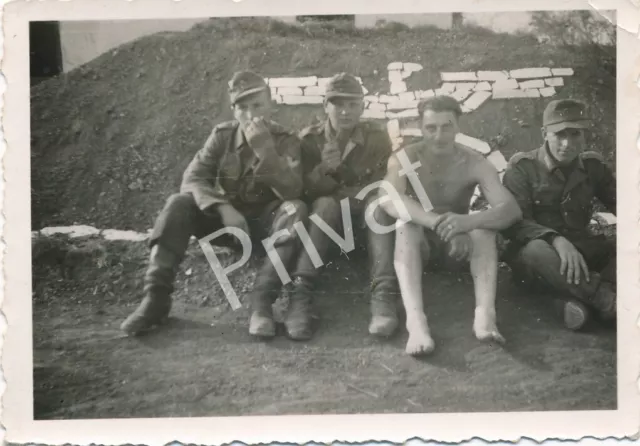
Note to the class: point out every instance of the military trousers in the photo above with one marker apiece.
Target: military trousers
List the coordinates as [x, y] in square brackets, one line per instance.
[380, 247]
[537, 265]
[181, 218]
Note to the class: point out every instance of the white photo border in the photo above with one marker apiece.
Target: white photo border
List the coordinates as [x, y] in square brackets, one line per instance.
[17, 358]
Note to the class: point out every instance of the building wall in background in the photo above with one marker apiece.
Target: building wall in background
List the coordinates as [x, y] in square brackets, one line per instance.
[82, 41]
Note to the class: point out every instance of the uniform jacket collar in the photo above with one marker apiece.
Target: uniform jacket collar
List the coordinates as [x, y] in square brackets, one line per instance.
[355, 139]
[545, 157]
[577, 175]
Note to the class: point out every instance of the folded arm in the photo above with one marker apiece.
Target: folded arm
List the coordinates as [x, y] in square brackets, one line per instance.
[504, 209]
[418, 214]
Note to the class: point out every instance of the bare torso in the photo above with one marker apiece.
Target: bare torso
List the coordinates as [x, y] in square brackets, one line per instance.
[449, 180]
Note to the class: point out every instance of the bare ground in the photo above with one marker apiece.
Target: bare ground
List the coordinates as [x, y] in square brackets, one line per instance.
[204, 363]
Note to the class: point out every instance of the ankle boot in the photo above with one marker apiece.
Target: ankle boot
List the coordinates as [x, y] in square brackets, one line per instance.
[158, 285]
[262, 297]
[384, 310]
[574, 313]
[300, 314]
[605, 301]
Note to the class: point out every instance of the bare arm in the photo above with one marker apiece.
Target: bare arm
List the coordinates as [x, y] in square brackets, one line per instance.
[417, 213]
[504, 210]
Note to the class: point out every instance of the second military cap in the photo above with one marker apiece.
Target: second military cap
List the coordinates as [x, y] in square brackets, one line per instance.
[245, 83]
[343, 85]
[565, 113]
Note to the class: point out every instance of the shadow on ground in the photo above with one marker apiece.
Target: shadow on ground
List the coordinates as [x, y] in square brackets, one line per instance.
[204, 363]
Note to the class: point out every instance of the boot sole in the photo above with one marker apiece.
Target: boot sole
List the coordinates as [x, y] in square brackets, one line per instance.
[145, 329]
[575, 315]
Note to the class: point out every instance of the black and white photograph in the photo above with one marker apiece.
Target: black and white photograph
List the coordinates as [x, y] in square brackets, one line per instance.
[325, 214]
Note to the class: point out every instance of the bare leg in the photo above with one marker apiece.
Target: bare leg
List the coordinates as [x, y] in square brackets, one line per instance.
[408, 266]
[484, 269]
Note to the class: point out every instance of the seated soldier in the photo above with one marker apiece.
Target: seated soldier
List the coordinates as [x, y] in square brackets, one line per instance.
[341, 156]
[247, 176]
[552, 246]
[442, 178]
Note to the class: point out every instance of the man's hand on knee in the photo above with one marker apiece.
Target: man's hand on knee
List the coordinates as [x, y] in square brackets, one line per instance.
[461, 247]
[572, 264]
[232, 218]
[450, 224]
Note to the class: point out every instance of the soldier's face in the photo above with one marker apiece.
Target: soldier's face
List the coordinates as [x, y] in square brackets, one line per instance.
[344, 113]
[566, 144]
[254, 106]
[439, 129]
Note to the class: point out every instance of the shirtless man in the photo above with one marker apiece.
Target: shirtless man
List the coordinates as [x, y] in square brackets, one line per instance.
[435, 179]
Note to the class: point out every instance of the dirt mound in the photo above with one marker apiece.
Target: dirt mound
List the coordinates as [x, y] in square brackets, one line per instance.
[110, 140]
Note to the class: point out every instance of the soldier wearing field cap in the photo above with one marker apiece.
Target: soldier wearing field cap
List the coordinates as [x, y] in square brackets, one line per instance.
[248, 176]
[555, 186]
[340, 157]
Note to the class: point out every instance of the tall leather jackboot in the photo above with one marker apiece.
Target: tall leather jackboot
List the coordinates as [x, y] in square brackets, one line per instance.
[298, 321]
[158, 285]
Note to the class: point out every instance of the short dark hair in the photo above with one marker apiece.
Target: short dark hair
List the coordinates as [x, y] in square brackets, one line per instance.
[439, 104]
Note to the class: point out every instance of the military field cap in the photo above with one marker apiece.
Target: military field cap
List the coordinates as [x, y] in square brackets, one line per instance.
[565, 113]
[343, 85]
[245, 83]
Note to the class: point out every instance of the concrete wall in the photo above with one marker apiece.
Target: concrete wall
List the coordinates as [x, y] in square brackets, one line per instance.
[82, 41]
[440, 20]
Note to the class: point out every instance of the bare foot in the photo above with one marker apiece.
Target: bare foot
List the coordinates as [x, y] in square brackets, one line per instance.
[420, 341]
[485, 328]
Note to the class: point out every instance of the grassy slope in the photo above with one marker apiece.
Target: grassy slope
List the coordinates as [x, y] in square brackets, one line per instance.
[111, 139]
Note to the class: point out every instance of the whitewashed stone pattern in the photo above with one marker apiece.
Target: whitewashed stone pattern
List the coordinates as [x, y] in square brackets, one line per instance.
[293, 81]
[413, 67]
[299, 100]
[562, 71]
[314, 91]
[407, 96]
[529, 73]
[290, 91]
[536, 83]
[460, 76]
[509, 94]
[477, 99]
[483, 86]
[547, 92]
[374, 114]
[395, 76]
[507, 84]
[492, 75]
[473, 143]
[398, 87]
[497, 159]
[73, 231]
[115, 234]
[377, 106]
[554, 82]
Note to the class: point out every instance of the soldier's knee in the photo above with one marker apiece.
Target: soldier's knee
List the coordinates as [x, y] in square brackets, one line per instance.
[296, 208]
[327, 208]
[180, 202]
[483, 235]
[536, 249]
[290, 212]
